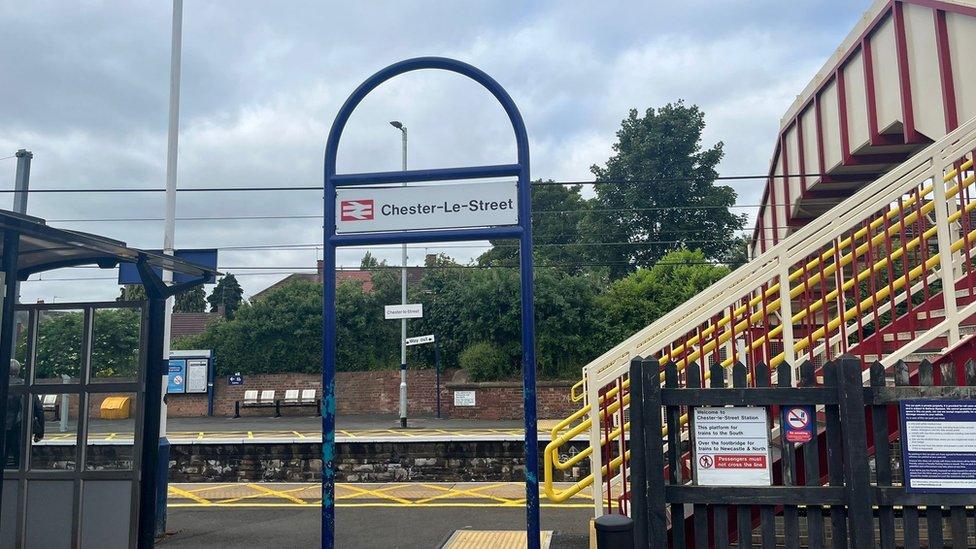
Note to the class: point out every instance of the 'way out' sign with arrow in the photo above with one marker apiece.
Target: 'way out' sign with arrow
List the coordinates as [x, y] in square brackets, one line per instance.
[420, 340]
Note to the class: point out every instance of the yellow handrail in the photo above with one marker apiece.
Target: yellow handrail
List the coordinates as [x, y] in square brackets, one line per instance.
[551, 454]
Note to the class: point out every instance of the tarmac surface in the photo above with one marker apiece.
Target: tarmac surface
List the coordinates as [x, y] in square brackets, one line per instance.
[386, 515]
[358, 528]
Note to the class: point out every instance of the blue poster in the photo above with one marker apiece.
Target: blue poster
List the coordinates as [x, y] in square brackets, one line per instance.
[939, 445]
[177, 376]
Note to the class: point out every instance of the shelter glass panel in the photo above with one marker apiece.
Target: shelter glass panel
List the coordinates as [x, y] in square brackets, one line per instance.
[115, 344]
[111, 428]
[53, 444]
[59, 346]
[13, 427]
[21, 350]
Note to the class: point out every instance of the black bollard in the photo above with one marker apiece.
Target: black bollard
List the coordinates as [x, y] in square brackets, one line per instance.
[614, 532]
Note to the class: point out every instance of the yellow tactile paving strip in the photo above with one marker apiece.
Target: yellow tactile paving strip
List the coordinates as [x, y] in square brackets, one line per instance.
[413, 494]
[492, 539]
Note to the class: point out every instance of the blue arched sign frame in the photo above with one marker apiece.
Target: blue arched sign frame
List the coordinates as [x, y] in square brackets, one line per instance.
[522, 231]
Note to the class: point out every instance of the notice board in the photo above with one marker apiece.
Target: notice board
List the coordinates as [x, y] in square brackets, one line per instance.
[939, 445]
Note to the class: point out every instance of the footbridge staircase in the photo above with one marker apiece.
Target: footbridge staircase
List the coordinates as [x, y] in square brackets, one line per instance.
[887, 274]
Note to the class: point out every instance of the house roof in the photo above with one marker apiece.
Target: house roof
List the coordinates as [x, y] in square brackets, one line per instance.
[188, 324]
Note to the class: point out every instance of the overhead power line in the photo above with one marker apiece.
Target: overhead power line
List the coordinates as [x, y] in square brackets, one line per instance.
[266, 188]
[292, 270]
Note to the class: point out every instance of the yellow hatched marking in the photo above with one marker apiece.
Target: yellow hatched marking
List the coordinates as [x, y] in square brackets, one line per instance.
[199, 491]
[200, 436]
[348, 434]
[299, 435]
[279, 493]
[380, 494]
[259, 493]
[457, 492]
[250, 434]
[189, 495]
[111, 436]
[316, 504]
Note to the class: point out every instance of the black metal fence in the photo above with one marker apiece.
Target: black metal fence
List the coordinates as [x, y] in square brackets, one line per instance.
[842, 488]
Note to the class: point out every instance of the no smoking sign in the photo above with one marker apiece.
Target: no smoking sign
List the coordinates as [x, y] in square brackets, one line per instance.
[798, 423]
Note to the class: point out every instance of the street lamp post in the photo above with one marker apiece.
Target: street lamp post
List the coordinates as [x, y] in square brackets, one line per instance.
[403, 300]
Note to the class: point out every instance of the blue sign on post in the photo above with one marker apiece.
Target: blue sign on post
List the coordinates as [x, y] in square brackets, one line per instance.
[365, 209]
[938, 440]
[177, 376]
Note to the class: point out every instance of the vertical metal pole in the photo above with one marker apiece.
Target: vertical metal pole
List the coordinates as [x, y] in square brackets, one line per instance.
[11, 247]
[437, 372]
[149, 475]
[22, 180]
[328, 371]
[21, 184]
[169, 236]
[403, 301]
[528, 359]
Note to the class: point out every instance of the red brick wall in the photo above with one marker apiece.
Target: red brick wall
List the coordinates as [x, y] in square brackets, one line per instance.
[377, 392]
[504, 400]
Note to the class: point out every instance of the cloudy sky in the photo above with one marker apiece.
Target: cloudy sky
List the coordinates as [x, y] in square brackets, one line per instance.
[85, 88]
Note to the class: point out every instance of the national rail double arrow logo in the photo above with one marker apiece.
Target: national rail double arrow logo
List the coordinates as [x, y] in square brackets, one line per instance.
[356, 210]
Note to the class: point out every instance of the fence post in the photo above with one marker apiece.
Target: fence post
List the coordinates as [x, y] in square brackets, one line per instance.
[850, 394]
[657, 521]
[638, 476]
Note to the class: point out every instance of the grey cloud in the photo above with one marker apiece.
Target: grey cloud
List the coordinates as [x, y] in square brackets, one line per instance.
[86, 89]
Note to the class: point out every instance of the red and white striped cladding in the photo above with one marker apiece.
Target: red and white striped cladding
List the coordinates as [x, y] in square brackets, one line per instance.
[903, 78]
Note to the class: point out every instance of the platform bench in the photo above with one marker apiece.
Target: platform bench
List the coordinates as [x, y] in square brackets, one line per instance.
[251, 400]
[307, 398]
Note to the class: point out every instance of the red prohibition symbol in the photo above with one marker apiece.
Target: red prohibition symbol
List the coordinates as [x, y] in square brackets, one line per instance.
[706, 462]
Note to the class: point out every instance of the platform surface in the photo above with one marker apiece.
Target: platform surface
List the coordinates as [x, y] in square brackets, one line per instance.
[257, 430]
[402, 494]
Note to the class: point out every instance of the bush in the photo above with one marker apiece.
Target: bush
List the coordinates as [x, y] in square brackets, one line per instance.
[485, 361]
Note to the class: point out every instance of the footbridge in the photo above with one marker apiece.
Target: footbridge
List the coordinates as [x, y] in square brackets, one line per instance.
[864, 244]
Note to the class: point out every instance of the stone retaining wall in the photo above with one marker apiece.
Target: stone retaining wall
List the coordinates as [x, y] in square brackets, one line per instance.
[466, 461]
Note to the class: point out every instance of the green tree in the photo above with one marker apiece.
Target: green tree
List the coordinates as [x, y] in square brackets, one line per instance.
[115, 343]
[556, 214]
[132, 292]
[191, 301]
[465, 306]
[660, 193]
[283, 332]
[633, 302]
[228, 294]
[369, 262]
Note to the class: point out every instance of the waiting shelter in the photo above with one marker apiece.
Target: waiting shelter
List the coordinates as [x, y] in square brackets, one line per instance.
[72, 487]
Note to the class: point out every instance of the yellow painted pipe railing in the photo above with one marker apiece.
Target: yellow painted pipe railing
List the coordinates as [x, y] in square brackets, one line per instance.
[560, 438]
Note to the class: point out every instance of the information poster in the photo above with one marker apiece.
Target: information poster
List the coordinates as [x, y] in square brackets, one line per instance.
[197, 375]
[177, 376]
[939, 445]
[732, 447]
[464, 398]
